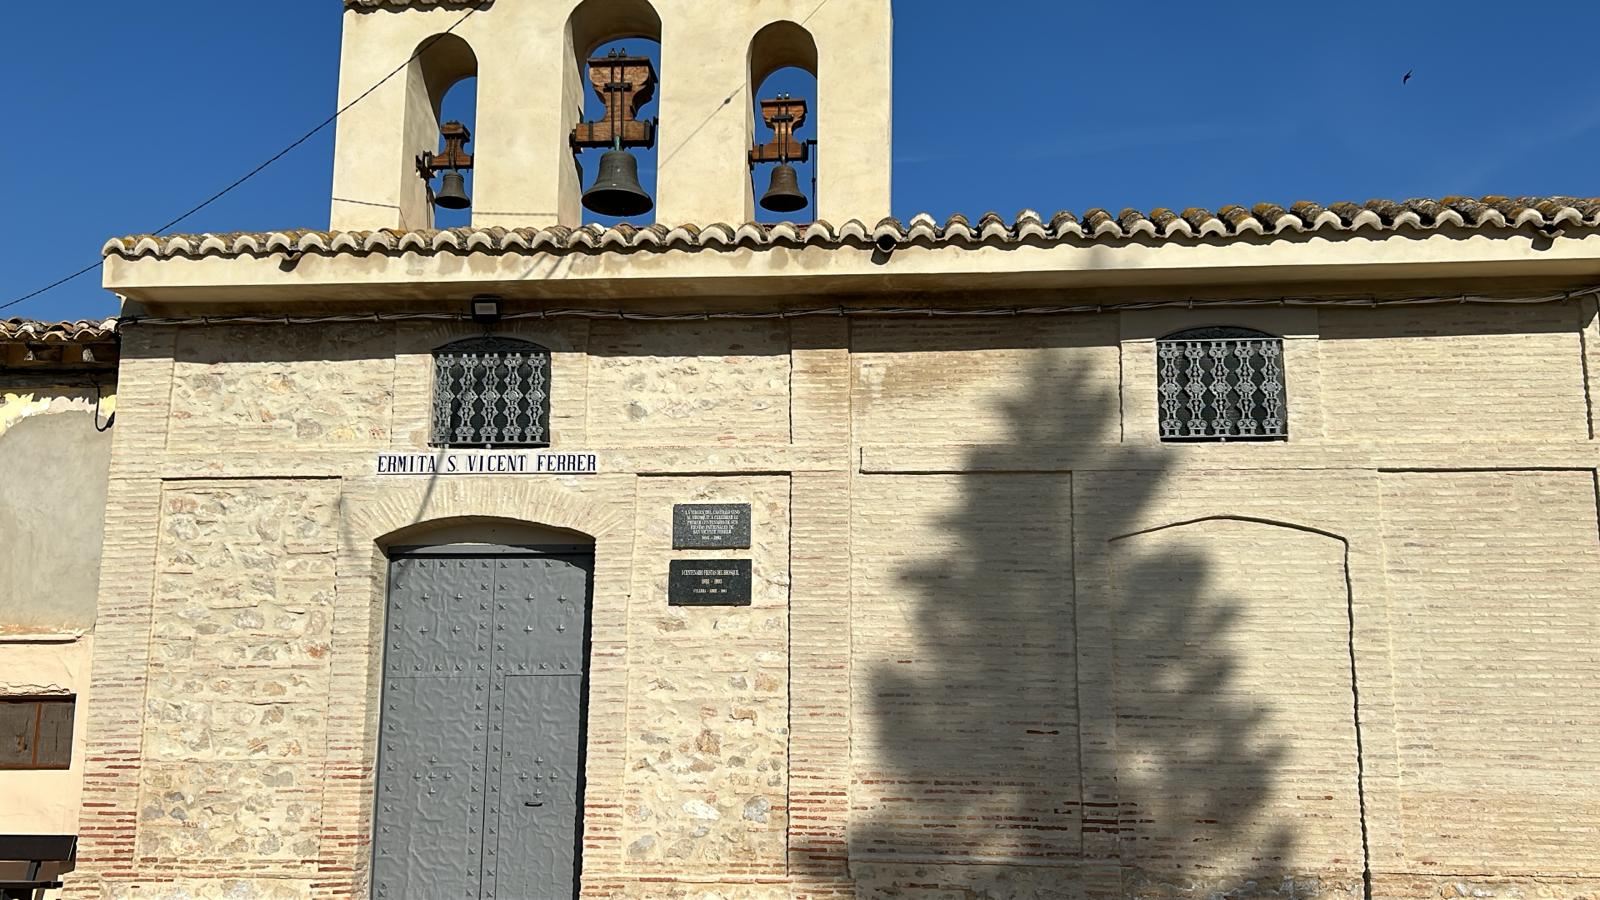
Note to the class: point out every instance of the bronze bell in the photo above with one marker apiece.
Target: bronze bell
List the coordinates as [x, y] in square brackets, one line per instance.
[453, 192]
[617, 192]
[784, 195]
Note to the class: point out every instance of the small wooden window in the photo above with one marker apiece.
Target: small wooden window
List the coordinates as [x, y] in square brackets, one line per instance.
[36, 732]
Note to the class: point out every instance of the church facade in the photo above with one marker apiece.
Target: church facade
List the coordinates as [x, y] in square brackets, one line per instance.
[1237, 553]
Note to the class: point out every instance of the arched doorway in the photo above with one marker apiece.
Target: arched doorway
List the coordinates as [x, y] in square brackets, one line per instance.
[482, 730]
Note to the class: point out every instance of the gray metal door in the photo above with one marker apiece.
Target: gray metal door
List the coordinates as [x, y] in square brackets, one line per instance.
[480, 755]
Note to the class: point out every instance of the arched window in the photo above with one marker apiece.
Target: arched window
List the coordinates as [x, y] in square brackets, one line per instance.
[491, 392]
[1222, 384]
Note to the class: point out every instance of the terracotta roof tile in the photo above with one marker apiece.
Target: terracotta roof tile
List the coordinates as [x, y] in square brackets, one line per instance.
[80, 332]
[365, 5]
[1231, 222]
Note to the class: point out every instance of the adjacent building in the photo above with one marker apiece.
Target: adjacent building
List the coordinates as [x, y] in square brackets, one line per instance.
[58, 388]
[1248, 553]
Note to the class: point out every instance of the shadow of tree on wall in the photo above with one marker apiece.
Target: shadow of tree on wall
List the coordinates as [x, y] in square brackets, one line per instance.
[970, 752]
[1197, 756]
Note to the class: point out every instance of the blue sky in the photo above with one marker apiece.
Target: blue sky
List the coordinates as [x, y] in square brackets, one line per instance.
[123, 115]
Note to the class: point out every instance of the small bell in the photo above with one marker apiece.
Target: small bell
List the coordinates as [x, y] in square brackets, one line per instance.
[784, 195]
[453, 192]
[616, 191]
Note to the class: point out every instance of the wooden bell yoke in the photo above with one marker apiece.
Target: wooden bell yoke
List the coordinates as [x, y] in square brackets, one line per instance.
[625, 84]
[784, 115]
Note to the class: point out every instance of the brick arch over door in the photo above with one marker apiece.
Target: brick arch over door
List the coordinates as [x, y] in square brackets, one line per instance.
[376, 513]
[1237, 741]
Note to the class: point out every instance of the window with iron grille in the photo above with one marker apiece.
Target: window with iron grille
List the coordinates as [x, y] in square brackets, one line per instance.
[1222, 384]
[491, 392]
[36, 732]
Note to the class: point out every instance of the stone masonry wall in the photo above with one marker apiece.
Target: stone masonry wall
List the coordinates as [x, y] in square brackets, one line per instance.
[328, 386]
[237, 701]
[706, 790]
[1003, 643]
[696, 384]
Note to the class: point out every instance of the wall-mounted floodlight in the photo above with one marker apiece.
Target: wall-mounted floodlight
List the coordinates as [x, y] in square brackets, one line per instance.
[486, 310]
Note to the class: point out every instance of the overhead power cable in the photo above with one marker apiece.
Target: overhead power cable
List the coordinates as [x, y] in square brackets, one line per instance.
[950, 312]
[477, 7]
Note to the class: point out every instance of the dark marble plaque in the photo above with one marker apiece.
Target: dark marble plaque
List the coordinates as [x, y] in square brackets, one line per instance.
[711, 526]
[709, 582]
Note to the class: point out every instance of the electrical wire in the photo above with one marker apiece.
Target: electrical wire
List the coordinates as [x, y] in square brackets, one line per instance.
[99, 397]
[865, 311]
[477, 7]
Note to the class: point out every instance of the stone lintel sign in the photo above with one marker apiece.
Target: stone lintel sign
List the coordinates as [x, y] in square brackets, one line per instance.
[711, 526]
[488, 462]
[709, 582]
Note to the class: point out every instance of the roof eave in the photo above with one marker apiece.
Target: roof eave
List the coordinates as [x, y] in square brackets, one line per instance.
[915, 268]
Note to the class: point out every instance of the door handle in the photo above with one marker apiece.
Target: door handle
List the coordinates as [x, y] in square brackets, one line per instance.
[533, 803]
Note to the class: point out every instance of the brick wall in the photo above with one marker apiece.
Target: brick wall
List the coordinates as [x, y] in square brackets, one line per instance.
[966, 739]
[1452, 373]
[1004, 643]
[1493, 579]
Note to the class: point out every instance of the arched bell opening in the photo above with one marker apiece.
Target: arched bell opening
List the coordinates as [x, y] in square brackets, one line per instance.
[441, 111]
[783, 125]
[611, 97]
[453, 192]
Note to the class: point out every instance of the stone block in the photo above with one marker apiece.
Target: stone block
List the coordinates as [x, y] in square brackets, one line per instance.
[221, 888]
[235, 813]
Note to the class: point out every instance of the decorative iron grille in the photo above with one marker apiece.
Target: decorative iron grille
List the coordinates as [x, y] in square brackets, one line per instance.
[1222, 384]
[491, 392]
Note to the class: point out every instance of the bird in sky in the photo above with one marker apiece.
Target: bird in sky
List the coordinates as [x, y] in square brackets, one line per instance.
[1407, 79]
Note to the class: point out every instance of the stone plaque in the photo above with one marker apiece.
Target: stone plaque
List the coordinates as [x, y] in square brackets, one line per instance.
[711, 526]
[709, 582]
